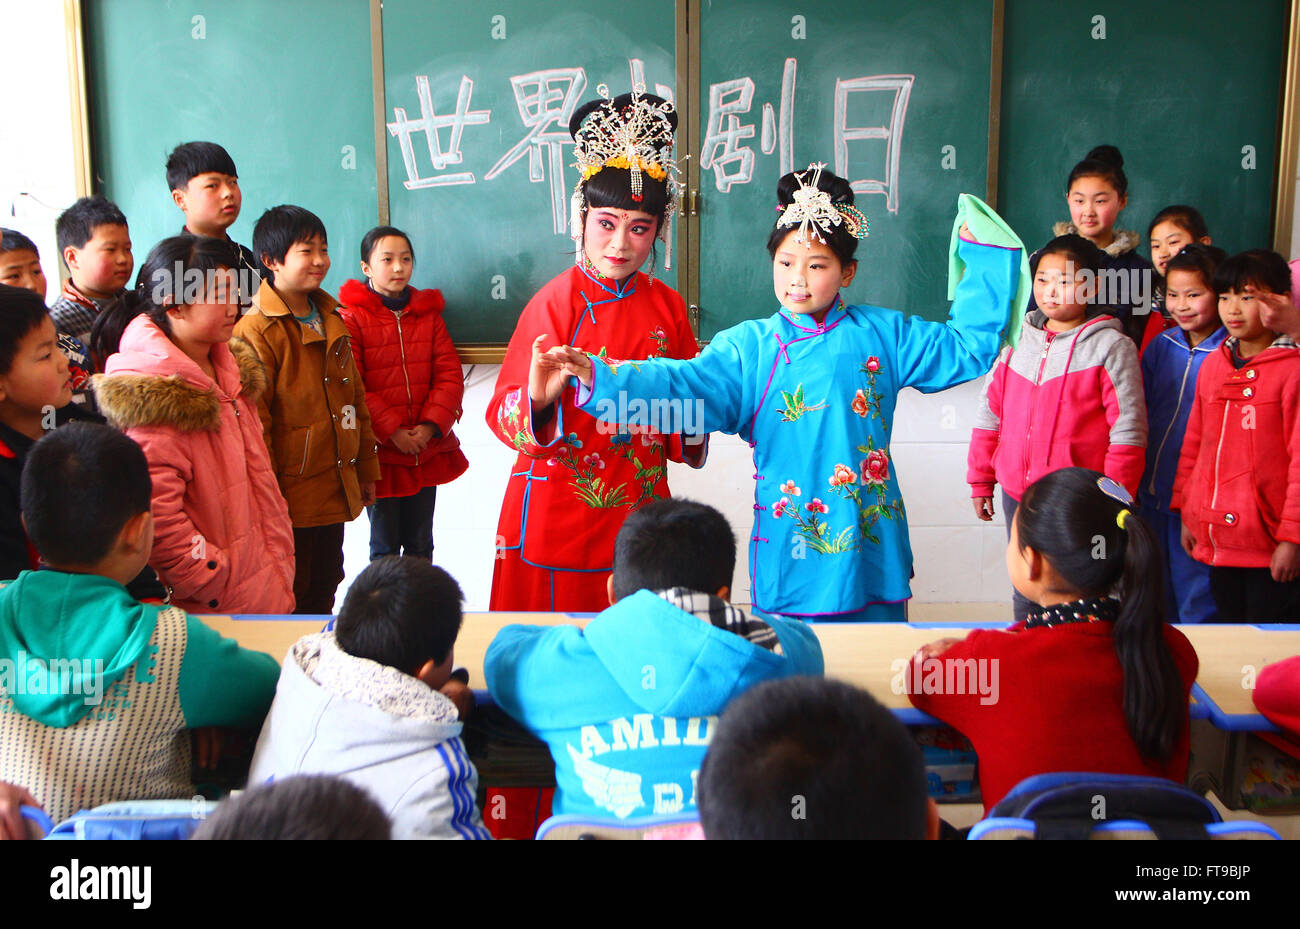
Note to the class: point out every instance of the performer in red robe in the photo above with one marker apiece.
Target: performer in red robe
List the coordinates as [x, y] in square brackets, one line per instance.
[575, 480]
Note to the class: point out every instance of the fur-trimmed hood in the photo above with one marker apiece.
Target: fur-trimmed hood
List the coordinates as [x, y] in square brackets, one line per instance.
[151, 382]
[1126, 240]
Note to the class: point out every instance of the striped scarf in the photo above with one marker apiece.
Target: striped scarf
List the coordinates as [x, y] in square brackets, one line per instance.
[719, 613]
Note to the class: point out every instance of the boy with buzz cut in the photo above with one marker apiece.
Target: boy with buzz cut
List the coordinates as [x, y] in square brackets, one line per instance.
[205, 185]
[103, 687]
[303, 808]
[375, 702]
[810, 758]
[628, 704]
[96, 246]
[314, 408]
[20, 266]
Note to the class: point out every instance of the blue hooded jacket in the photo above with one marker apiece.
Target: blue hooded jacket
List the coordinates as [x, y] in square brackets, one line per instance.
[628, 704]
[1169, 370]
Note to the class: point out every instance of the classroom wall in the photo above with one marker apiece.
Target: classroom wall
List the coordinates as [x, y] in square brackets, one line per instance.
[37, 171]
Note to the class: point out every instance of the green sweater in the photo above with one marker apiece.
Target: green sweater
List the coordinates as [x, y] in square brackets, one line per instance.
[97, 690]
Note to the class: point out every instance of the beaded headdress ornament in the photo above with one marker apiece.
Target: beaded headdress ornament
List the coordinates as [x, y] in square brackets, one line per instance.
[632, 131]
[815, 213]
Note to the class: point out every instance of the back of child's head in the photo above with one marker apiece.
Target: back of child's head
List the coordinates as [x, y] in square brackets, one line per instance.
[302, 807]
[190, 159]
[837, 237]
[371, 239]
[281, 227]
[1199, 259]
[400, 612]
[1083, 524]
[1186, 218]
[1080, 251]
[77, 224]
[179, 270]
[1105, 162]
[21, 311]
[674, 542]
[1258, 268]
[811, 758]
[81, 484]
[11, 240]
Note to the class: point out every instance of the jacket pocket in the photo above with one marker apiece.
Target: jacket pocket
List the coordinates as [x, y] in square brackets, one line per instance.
[292, 450]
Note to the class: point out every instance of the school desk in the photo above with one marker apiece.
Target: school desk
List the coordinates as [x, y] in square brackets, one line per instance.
[870, 655]
[1231, 658]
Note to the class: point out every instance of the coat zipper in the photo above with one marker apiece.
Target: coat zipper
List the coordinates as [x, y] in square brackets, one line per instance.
[401, 345]
[1168, 429]
[1029, 433]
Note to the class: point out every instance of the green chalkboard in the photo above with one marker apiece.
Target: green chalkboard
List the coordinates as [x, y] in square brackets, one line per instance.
[1187, 91]
[284, 86]
[485, 194]
[893, 96]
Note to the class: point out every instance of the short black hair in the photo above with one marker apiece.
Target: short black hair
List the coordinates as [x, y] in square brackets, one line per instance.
[280, 227]
[1085, 255]
[811, 758]
[77, 224]
[11, 240]
[1259, 267]
[1201, 259]
[81, 484]
[1186, 218]
[302, 807]
[400, 612]
[674, 542]
[21, 311]
[371, 239]
[189, 160]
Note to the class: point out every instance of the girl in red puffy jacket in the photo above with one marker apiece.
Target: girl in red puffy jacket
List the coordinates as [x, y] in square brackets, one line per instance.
[413, 390]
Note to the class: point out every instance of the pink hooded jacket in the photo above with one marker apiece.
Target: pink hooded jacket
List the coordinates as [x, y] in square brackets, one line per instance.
[1060, 400]
[222, 536]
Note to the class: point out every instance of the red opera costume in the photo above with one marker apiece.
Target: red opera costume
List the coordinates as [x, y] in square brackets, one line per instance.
[575, 480]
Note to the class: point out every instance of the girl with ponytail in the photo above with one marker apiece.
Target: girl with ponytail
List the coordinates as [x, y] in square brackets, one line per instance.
[1095, 679]
[178, 385]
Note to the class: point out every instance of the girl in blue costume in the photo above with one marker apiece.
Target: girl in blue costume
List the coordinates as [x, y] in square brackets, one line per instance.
[812, 388]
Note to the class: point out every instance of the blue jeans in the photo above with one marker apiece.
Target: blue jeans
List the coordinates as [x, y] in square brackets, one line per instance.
[403, 525]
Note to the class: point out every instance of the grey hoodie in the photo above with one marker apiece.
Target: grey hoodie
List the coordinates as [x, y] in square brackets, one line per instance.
[381, 729]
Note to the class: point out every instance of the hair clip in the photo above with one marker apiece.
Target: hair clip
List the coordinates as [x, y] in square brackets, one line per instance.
[1121, 518]
[815, 213]
[1115, 491]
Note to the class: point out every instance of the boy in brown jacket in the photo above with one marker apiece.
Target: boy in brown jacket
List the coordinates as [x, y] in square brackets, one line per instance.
[314, 414]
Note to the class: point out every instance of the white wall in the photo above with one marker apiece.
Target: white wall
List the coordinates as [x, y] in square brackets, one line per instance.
[958, 558]
[37, 171]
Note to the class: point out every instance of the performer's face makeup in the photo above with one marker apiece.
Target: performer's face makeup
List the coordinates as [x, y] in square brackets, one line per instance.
[807, 275]
[617, 242]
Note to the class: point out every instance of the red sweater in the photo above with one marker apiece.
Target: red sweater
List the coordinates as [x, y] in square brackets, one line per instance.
[1059, 704]
[1277, 694]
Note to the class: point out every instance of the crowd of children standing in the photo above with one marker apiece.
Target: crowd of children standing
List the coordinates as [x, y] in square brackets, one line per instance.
[259, 415]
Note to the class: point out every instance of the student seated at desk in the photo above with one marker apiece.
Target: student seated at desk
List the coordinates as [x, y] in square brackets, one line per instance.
[628, 704]
[374, 702]
[1094, 680]
[105, 686]
[855, 769]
